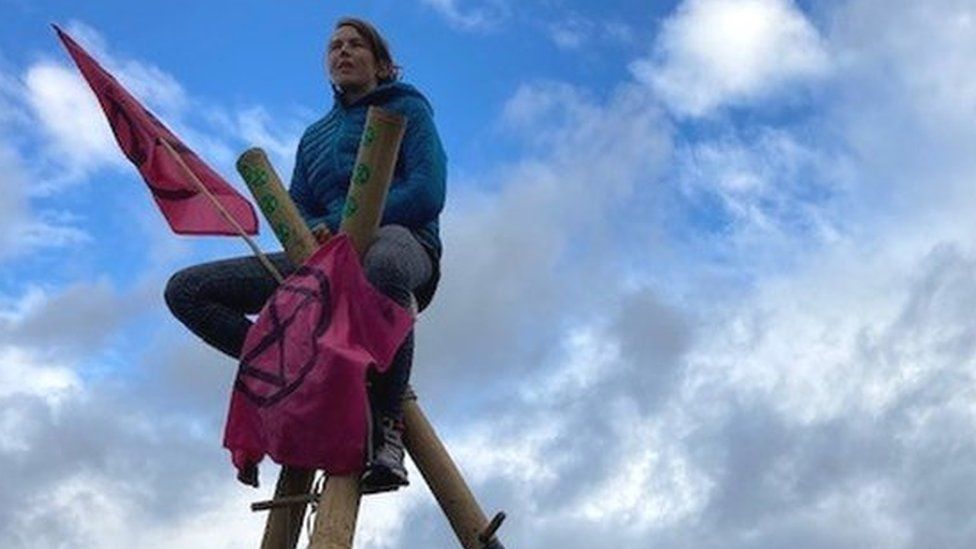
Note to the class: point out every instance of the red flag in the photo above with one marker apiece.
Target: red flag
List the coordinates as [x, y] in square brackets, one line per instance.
[300, 394]
[138, 133]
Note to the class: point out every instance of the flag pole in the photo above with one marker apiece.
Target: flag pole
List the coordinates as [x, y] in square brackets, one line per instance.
[223, 211]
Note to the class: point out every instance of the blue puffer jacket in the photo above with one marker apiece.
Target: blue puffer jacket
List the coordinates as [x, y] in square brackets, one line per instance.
[327, 153]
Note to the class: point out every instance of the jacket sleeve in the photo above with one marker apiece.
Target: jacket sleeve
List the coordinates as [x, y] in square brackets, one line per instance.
[417, 198]
[301, 192]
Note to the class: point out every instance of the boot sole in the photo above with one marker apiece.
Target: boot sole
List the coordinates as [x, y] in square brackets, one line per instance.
[381, 479]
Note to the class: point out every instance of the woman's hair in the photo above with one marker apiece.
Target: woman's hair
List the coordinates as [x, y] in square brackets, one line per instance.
[377, 44]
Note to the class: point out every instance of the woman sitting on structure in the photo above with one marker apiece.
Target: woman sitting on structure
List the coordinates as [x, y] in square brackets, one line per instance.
[212, 299]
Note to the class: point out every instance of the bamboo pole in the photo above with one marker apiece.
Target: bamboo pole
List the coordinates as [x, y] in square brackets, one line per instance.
[371, 176]
[276, 205]
[339, 502]
[335, 521]
[284, 523]
[443, 478]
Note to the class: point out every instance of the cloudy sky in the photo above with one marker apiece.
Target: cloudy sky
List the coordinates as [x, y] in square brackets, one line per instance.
[709, 280]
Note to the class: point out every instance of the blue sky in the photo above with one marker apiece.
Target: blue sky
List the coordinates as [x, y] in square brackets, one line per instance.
[708, 280]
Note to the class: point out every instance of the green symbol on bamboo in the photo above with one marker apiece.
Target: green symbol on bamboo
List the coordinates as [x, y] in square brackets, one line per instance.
[283, 232]
[361, 176]
[254, 176]
[351, 207]
[269, 204]
[369, 136]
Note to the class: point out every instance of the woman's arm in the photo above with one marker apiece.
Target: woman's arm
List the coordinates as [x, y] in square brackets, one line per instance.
[418, 197]
[301, 192]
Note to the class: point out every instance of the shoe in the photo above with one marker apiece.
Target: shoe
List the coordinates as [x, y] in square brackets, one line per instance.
[385, 471]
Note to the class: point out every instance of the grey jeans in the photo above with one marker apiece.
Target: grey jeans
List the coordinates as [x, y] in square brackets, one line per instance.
[212, 300]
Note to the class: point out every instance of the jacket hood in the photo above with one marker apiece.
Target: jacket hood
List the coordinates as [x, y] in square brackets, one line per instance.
[383, 93]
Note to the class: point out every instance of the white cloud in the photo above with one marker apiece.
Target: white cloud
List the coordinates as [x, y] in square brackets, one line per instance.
[485, 16]
[101, 512]
[10, 90]
[74, 319]
[384, 518]
[21, 228]
[815, 393]
[544, 111]
[573, 32]
[927, 60]
[13, 209]
[94, 461]
[857, 345]
[42, 234]
[29, 375]
[763, 194]
[256, 128]
[507, 251]
[72, 118]
[26, 373]
[588, 351]
[657, 486]
[486, 454]
[712, 53]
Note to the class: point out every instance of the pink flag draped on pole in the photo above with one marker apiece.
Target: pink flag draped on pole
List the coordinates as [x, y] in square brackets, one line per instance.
[300, 394]
[138, 133]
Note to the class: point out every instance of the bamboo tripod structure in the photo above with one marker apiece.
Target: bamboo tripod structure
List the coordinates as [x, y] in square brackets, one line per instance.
[338, 504]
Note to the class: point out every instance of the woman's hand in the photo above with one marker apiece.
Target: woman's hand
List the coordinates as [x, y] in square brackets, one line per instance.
[321, 233]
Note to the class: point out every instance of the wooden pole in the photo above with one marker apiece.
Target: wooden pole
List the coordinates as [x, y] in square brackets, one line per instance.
[284, 523]
[276, 205]
[223, 211]
[371, 176]
[335, 521]
[443, 477]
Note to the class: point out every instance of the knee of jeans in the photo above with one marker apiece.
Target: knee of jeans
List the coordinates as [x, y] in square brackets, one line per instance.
[383, 270]
[181, 292]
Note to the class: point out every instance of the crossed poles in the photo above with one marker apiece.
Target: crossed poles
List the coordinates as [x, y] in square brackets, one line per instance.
[338, 502]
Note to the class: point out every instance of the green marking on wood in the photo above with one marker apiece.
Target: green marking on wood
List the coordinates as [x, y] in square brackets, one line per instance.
[351, 207]
[253, 175]
[361, 176]
[269, 204]
[283, 232]
[369, 136]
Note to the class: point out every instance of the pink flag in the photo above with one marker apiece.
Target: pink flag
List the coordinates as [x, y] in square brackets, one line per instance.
[138, 133]
[300, 395]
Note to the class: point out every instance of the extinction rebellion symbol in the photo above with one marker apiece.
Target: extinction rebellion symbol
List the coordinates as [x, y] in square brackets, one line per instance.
[276, 364]
[136, 144]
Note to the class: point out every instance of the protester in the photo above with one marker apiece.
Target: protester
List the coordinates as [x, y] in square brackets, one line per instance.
[213, 299]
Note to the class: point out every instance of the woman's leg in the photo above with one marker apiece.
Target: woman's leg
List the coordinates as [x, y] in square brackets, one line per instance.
[212, 299]
[396, 264]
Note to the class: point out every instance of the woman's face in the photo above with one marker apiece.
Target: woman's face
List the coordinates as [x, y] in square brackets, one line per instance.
[352, 65]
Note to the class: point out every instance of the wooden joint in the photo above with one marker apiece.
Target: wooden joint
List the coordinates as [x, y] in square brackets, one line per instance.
[285, 501]
[487, 536]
